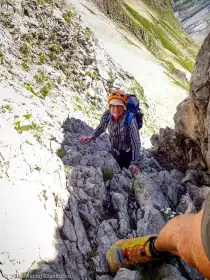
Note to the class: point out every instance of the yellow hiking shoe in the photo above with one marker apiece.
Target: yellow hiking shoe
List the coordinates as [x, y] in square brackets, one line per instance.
[129, 252]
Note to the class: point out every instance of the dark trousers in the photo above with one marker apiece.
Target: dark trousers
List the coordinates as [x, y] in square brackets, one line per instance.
[123, 159]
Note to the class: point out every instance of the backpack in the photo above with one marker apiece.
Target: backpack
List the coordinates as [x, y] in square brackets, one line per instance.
[133, 110]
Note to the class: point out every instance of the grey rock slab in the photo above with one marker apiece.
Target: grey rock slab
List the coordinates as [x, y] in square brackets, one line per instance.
[186, 205]
[151, 223]
[192, 176]
[89, 179]
[170, 184]
[170, 272]
[148, 190]
[120, 205]
[126, 274]
[198, 195]
[72, 157]
[104, 277]
[87, 217]
[105, 238]
[5, 37]
[82, 239]
[68, 229]
[121, 184]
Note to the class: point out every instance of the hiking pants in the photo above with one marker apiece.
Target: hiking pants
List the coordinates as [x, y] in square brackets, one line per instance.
[123, 158]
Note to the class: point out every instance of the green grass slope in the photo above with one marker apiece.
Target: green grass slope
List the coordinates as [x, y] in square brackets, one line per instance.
[165, 34]
[153, 22]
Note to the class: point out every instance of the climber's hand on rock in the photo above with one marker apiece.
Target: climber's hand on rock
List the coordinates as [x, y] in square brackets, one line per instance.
[134, 169]
[86, 139]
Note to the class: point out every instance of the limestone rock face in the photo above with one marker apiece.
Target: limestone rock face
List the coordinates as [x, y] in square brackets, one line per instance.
[192, 117]
[80, 217]
[125, 274]
[188, 145]
[173, 150]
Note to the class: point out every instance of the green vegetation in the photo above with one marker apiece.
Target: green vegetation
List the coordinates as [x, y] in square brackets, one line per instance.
[78, 104]
[27, 116]
[2, 58]
[154, 30]
[28, 142]
[30, 127]
[42, 58]
[169, 65]
[172, 75]
[61, 65]
[92, 254]
[59, 80]
[42, 2]
[37, 168]
[137, 89]
[28, 38]
[25, 67]
[41, 36]
[67, 16]
[53, 55]
[172, 70]
[67, 169]
[93, 76]
[187, 64]
[41, 76]
[55, 48]
[162, 32]
[67, 73]
[88, 33]
[29, 87]
[53, 36]
[25, 49]
[108, 174]
[78, 83]
[45, 90]
[7, 24]
[8, 107]
[168, 214]
[60, 153]
[150, 126]
[185, 87]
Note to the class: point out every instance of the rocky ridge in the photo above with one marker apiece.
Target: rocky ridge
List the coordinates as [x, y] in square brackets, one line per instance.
[60, 217]
[191, 119]
[56, 59]
[105, 204]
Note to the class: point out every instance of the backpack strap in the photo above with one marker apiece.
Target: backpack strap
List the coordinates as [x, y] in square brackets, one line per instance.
[128, 119]
[108, 117]
[127, 123]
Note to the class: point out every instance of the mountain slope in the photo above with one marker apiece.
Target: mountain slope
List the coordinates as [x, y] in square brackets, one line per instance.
[156, 26]
[64, 203]
[164, 79]
[194, 16]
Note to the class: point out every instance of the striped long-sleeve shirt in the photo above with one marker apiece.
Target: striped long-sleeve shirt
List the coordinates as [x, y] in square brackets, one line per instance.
[121, 137]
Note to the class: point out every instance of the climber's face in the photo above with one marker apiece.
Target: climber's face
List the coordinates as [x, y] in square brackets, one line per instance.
[117, 111]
